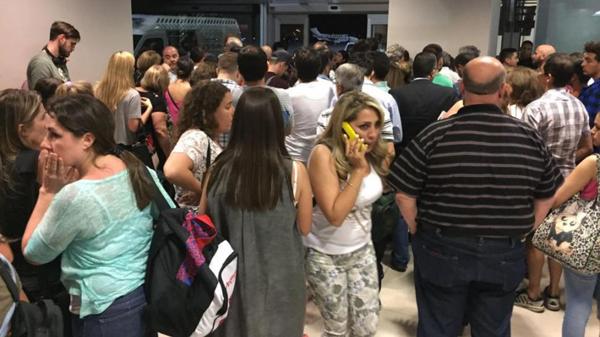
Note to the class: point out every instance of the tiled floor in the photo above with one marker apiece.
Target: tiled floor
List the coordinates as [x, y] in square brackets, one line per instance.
[398, 317]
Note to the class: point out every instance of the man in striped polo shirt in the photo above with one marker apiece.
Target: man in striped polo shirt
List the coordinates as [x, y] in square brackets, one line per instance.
[470, 187]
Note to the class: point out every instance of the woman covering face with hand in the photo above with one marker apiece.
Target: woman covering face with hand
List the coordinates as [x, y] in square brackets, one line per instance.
[109, 203]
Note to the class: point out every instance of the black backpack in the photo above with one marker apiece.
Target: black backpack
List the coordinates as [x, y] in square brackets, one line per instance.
[41, 319]
[177, 309]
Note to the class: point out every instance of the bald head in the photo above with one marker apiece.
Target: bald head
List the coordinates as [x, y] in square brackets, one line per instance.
[483, 76]
[541, 53]
[170, 56]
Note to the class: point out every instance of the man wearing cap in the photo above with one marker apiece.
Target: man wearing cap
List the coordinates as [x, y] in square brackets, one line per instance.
[278, 65]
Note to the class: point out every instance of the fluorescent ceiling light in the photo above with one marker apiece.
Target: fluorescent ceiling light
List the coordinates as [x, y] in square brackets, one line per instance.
[597, 13]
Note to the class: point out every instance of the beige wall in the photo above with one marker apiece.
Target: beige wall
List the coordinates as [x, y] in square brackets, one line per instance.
[104, 25]
[452, 24]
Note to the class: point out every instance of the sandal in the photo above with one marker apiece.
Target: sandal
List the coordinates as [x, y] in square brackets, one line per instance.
[551, 302]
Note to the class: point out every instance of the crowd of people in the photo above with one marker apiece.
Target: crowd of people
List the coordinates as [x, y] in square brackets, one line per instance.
[469, 153]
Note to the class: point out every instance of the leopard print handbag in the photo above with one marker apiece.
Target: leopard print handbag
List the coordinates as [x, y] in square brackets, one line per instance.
[570, 234]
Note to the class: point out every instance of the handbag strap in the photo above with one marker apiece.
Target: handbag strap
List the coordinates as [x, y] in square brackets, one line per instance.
[208, 155]
[597, 176]
[597, 165]
[157, 197]
[9, 281]
[207, 165]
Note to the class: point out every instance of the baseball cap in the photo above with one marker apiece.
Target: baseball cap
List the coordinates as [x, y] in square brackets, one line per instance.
[281, 56]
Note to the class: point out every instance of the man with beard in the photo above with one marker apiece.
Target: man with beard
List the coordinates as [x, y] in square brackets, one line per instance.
[51, 62]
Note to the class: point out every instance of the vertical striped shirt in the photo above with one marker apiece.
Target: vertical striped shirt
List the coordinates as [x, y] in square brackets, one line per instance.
[477, 173]
[561, 120]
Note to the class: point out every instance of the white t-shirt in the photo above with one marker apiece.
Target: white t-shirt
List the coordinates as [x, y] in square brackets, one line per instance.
[355, 232]
[308, 100]
[516, 111]
[194, 144]
[452, 75]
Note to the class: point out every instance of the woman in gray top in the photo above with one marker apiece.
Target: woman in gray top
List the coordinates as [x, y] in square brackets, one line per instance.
[261, 201]
[116, 91]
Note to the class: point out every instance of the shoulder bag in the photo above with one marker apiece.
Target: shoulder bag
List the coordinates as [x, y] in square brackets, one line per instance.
[570, 234]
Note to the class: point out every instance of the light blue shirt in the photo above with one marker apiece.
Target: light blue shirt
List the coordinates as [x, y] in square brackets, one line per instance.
[388, 103]
[103, 236]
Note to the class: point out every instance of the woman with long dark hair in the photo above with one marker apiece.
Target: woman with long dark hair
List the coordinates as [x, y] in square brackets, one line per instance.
[100, 223]
[261, 201]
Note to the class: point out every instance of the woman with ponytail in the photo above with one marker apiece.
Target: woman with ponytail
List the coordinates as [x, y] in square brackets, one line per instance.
[101, 223]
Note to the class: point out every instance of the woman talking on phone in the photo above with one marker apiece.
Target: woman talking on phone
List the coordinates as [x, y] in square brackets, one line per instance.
[345, 170]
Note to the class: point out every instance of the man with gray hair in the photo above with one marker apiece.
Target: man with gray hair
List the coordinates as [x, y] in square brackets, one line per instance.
[470, 187]
[350, 77]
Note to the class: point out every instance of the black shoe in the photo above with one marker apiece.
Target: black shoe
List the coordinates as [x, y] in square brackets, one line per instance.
[398, 268]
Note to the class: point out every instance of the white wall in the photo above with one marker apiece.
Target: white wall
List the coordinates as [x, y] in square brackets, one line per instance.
[452, 24]
[105, 27]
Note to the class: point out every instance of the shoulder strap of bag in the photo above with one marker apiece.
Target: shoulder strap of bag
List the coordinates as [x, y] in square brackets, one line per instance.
[207, 167]
[295, 181]
[172, 100]
[208, 155]
[158, 199]
[597, 166]
[269, 80]
[8, 280]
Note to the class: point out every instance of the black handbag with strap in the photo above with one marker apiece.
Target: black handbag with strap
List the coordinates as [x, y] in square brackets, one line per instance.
[40, 319]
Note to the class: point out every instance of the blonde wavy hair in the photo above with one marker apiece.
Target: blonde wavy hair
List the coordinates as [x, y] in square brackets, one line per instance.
[117, 79]
[346, 110]
[156, 79]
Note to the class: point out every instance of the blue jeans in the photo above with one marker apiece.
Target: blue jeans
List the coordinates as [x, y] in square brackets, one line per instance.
[400, 256]
[579, 290]
[122, 318]
[460, 279]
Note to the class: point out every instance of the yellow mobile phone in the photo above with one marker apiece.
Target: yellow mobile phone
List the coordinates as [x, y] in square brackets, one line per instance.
[349, 131]
[351, 134]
